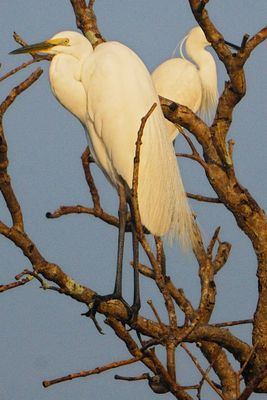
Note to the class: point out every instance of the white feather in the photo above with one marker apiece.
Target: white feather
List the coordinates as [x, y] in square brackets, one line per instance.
[110, 90]
[192, 84]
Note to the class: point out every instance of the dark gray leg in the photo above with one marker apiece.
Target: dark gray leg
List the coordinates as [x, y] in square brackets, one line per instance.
[122, 224]
[136, 299]
[117, 292]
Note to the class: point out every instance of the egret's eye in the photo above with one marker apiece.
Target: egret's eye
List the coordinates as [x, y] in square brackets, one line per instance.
[65, 42]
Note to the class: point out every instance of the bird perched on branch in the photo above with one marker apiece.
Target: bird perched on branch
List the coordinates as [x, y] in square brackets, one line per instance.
[192, 84]
[109, 90]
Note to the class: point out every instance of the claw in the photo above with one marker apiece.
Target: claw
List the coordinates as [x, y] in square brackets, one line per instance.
[91, 314]
[133, 311]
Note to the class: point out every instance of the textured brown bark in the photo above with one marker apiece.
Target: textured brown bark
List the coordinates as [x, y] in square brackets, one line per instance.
[86, 21]
[221, 174]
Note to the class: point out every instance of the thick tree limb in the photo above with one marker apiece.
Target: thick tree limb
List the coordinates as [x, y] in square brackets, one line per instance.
[86, 21]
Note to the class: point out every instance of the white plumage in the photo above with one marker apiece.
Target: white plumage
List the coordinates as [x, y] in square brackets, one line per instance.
[192, 84]
[109, 90]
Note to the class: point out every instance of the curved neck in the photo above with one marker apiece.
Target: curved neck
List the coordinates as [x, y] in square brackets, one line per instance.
[208, 76]
[207, 68]
[202, 58]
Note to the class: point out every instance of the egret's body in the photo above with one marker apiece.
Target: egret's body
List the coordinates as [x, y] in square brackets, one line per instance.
[109, 90]
[192, 84]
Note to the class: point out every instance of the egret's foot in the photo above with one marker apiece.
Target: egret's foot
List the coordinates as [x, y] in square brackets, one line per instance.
[134, 310]
[91, 314]
[98, 299]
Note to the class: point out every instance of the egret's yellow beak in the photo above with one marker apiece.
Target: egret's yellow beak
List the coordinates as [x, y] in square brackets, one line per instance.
[41, 47]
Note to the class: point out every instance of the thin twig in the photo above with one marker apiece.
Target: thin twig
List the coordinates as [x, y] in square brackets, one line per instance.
[98, 370]
[150, 303]
[161, 283]
[240, 372]
[134, 189]
[207, 372]
[213, 241]
[19, 68]
[78, 209]
[132, 346]
[19, 39]
[19, 89]
[8, 286]
[90, 180]
[206, 199]
[233, 323]
[195, 154]
[189, 156]
[201, 370]
[132, 378]
[166, 379]
[177, 294]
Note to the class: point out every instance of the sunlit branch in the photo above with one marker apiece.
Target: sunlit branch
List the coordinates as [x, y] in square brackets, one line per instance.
[98, 370]
[86, 21]
[233, 323]
[13, 285]
[202, 371]
[202, 198]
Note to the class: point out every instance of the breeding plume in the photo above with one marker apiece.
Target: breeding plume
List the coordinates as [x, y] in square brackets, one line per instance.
[109, 90]
[192, 84]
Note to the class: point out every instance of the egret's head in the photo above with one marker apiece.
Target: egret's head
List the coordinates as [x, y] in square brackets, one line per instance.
[197, 38]
[67, 42]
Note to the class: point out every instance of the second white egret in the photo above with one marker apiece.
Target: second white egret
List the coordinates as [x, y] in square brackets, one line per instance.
[192, 84]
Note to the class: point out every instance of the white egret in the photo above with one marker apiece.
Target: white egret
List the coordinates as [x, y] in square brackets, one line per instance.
[109, 90]
[192, 84]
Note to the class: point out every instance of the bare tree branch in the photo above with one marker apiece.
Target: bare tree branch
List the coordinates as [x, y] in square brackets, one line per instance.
[98, 370]
[86, 21]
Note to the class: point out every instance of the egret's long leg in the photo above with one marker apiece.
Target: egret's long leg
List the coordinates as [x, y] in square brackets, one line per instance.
[117, 293]
[122, 225]
[136, 299]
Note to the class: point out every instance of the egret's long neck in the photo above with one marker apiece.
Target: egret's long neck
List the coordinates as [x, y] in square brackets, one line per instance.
[208, 75]
[65, 81]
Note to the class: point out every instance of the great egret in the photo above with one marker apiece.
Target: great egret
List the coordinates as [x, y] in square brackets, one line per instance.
[191, 84]
[109, 90]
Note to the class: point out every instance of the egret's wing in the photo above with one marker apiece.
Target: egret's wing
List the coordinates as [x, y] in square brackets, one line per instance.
[178, 80]
[120, 92]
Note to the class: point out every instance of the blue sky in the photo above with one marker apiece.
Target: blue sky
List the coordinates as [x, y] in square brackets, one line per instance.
[42, 333]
